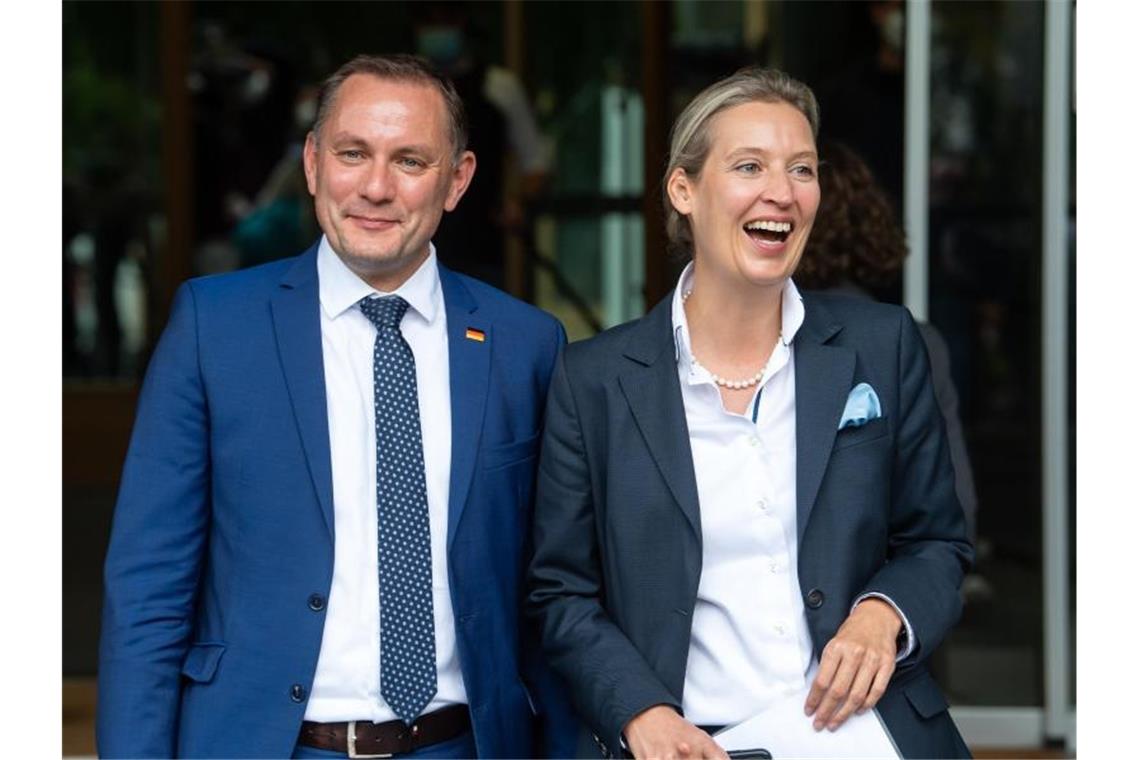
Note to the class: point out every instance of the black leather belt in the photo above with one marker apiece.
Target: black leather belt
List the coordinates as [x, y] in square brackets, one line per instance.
[362, 738]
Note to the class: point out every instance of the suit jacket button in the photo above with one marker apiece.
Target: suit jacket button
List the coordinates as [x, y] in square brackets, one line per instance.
[316, 602]
[815, 599]
[297, 693]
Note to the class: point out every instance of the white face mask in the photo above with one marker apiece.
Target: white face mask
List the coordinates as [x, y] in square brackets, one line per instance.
[440, 44]
[892, 29]
[256, 85]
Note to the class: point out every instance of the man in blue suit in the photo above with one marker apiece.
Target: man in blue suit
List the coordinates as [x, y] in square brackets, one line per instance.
[322, 522]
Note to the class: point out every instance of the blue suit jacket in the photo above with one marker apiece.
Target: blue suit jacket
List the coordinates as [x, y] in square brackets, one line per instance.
[224, 525]
[617, 520]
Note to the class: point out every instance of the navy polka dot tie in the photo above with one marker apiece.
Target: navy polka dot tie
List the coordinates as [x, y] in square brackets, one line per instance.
[407, 622]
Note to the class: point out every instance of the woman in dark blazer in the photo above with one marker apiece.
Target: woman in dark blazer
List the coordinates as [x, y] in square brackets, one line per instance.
[747, 492]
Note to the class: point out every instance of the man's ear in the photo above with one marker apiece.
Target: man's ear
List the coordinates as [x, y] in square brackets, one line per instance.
[680, 191]
[461, 175]
[310, 160]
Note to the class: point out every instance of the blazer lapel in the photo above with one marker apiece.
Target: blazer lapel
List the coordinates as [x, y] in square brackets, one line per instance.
[469, 364]
[823, 380]
[653, 391]
[297, 321]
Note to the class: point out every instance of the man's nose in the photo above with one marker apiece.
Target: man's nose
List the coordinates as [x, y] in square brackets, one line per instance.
[377, 184]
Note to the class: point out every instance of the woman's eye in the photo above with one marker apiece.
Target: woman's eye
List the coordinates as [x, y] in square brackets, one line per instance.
[750, 168]
[804, 171]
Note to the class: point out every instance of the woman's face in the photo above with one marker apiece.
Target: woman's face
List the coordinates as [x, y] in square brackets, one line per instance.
[752, 206]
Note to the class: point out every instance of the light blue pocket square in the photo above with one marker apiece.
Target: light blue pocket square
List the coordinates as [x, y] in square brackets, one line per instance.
[862, 407]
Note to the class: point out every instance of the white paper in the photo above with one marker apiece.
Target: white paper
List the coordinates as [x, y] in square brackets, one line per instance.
[784, 730]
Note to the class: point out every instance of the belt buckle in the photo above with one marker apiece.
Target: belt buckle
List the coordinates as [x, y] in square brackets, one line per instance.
[352, 742]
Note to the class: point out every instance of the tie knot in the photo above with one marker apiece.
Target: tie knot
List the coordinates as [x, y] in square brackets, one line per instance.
[385, 311]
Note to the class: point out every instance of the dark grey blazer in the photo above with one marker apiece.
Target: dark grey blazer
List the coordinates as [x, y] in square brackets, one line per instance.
[617, 531]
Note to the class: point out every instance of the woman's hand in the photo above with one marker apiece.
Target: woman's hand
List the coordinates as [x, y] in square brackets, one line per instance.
[660, 732]
[856, 665]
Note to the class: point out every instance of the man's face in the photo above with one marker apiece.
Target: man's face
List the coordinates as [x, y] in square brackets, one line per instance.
[381, 173]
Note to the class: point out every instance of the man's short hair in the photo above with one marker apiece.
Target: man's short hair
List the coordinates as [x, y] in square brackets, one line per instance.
[397, 68]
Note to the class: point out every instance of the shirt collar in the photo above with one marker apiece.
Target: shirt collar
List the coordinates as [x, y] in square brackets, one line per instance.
[341, 289]
[791, 316]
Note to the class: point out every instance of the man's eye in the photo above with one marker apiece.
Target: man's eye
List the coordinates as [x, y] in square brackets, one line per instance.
[749, 168]
[351, 155]
[411, 163]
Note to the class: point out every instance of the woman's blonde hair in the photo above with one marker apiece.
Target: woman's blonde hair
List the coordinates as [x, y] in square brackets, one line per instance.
[689, 141]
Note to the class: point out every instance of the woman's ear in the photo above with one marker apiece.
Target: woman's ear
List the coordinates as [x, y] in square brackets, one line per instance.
[680, 191]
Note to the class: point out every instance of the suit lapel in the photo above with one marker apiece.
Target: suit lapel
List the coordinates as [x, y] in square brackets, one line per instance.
[469, 363]
[297, 322]
[823, 380]
[653, 391]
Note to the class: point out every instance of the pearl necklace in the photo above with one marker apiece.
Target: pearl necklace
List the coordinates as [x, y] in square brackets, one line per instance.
[747, 382]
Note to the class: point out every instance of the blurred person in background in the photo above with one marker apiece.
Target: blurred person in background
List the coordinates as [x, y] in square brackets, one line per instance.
[775, 517]
[280, 217]
[502, 125]
[873, 83]
[858, 248]
[240, 85]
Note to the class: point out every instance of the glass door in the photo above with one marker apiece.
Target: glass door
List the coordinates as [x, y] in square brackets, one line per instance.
[992, 220]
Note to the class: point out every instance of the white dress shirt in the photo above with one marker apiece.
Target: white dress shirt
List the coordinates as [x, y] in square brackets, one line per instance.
[347, 682]
[750, 640]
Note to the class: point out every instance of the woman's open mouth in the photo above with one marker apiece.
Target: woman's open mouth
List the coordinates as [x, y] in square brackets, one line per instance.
[769, 231]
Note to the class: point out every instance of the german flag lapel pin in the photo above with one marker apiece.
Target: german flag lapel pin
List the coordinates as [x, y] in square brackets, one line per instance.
[476, 335]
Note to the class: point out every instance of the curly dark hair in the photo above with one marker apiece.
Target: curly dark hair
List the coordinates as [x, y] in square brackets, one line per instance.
[855, 238]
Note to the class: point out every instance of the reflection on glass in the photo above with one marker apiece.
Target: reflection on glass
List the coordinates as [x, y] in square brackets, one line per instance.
[588, 238]
[985, 269]
[111, 192]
